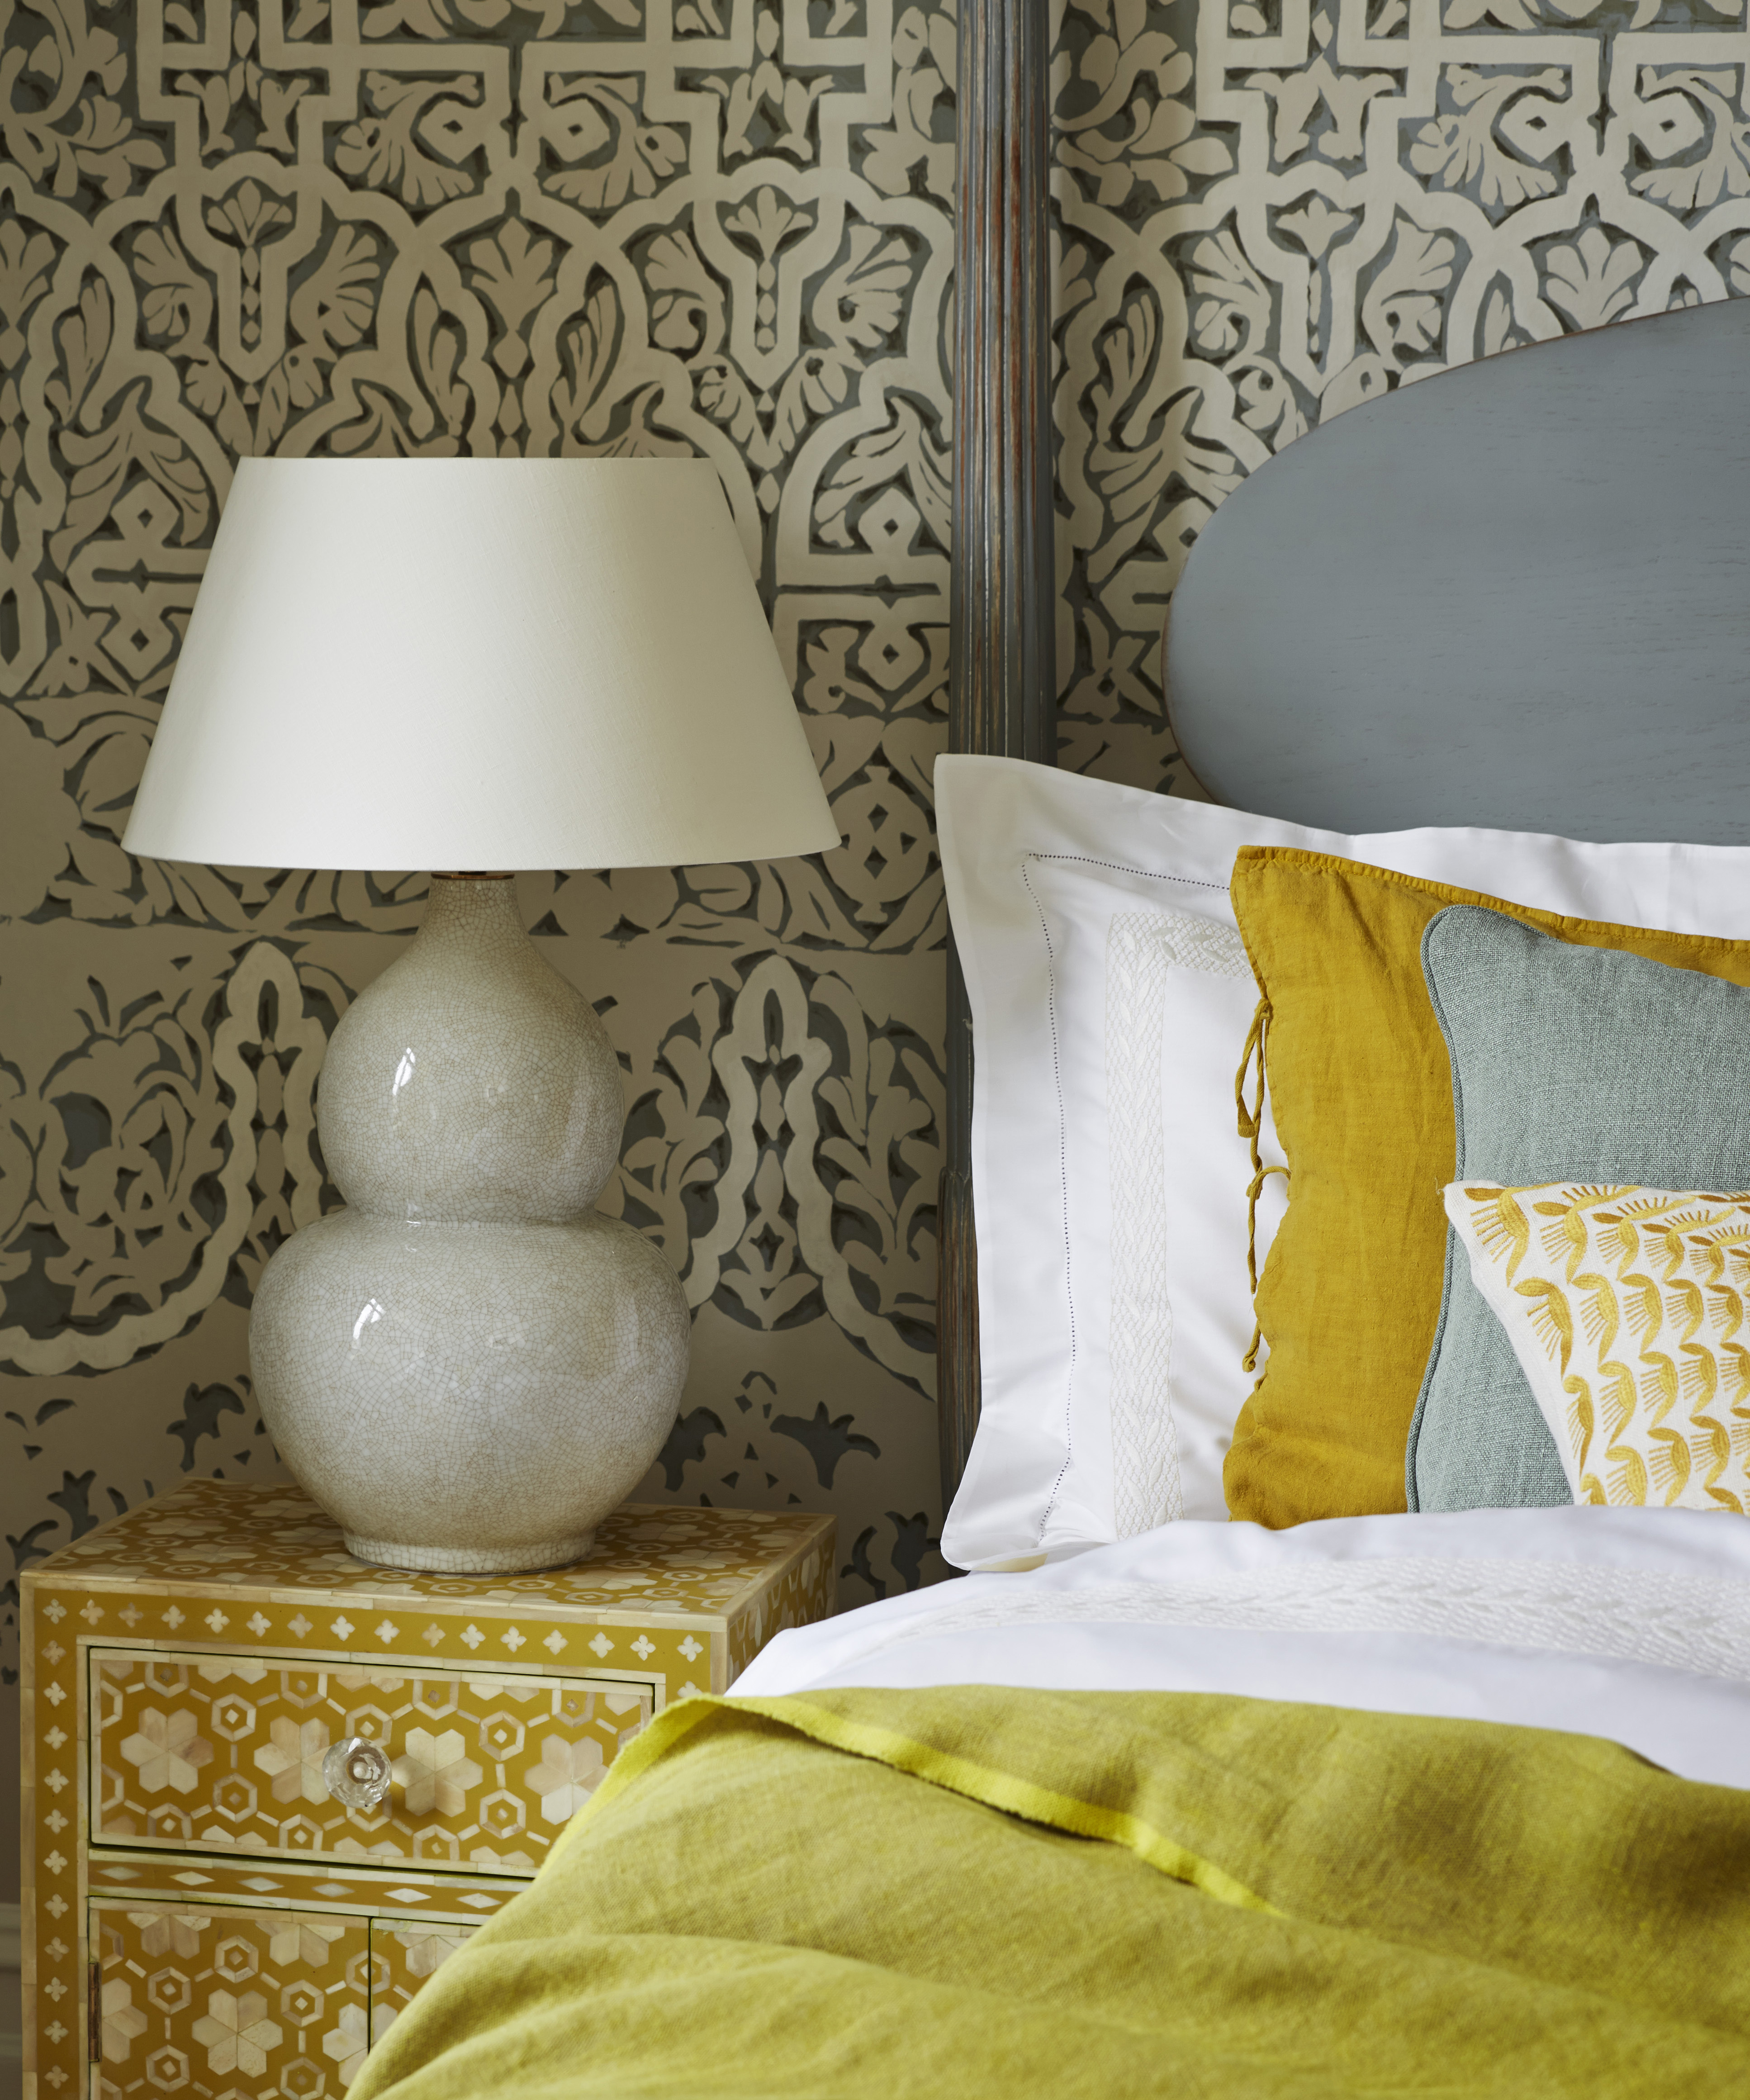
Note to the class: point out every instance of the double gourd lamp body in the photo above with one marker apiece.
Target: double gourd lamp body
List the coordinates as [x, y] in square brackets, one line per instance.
[474, 665]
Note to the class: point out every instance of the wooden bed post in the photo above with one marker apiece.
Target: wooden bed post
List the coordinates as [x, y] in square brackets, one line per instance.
[1003, 591]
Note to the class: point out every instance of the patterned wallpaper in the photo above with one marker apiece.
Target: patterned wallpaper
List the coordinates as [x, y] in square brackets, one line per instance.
[717, 227]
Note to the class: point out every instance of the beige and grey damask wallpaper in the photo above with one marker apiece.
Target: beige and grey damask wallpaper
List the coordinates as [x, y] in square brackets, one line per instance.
[716, 226]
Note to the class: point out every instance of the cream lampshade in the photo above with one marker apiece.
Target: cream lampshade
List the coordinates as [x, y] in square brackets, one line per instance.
[479, 665]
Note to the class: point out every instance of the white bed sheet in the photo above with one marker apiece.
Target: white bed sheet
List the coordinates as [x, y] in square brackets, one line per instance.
[1629, 1624]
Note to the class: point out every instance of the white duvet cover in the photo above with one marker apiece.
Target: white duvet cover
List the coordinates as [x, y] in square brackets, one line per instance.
[1629, 1624]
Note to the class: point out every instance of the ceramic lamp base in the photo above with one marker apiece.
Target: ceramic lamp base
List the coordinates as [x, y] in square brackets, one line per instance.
[468, 1367]
[459, 1560]
[467, 1395]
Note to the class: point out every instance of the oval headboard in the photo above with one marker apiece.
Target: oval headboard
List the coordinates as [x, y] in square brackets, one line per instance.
[1516, 594]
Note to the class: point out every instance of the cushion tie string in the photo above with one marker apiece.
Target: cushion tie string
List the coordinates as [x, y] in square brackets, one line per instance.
[1249, 1117]
[1251, 1121]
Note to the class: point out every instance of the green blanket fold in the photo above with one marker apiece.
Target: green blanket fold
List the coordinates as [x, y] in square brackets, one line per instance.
[974, 1894]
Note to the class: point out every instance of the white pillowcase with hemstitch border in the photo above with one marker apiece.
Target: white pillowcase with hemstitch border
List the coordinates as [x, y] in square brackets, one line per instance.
[1110, 999]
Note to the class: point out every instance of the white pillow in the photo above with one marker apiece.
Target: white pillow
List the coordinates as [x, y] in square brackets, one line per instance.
[1110, 1001]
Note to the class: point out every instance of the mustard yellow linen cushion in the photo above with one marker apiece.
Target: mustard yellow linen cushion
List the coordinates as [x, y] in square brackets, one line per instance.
[1362, 1092]
[1626, 1309]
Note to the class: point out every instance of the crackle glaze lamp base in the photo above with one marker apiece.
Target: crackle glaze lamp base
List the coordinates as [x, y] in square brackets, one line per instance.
[469, 1294]
[478, 665]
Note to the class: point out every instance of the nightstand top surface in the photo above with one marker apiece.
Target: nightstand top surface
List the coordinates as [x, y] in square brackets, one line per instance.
[248, 1537]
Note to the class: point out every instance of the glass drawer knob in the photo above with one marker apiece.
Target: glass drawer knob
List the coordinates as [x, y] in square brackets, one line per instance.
[357, 1773]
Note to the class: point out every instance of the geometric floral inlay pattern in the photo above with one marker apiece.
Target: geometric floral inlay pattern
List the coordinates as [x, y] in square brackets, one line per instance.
[401, 1962]
[272, 2004]
[194, 1751]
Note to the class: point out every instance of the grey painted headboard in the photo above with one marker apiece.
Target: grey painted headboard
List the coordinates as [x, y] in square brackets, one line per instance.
[1517, 594]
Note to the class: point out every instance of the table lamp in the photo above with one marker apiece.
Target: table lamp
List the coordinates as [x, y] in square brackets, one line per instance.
[474, 666]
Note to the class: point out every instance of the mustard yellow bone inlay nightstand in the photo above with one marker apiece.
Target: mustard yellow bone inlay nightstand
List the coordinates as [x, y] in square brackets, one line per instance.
[201, 1914]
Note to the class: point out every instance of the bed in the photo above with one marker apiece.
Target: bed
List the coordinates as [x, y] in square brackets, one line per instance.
[1429, 1776]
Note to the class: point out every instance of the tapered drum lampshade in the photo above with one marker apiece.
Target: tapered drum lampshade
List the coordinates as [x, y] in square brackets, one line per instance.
[479, 664]
[474, 666]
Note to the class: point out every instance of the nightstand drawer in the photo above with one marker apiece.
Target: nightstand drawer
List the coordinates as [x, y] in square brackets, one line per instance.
[202, 1752]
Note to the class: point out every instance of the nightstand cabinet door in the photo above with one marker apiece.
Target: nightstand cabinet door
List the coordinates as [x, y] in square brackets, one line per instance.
[201, 1752]
[403, 1958]
[274, 2004]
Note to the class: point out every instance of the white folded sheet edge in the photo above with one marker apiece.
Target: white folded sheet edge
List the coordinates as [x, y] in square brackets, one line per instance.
[1628, 1624]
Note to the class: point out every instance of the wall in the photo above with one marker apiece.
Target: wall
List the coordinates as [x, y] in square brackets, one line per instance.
[694, 226]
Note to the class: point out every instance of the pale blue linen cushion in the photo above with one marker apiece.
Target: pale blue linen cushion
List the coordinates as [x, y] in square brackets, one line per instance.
[1569, 1064]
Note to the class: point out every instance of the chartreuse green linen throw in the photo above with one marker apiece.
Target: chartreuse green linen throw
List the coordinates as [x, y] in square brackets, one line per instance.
[979, 1895]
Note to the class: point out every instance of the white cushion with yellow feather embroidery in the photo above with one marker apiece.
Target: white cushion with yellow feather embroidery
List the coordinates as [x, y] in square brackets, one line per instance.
[1629, 1309]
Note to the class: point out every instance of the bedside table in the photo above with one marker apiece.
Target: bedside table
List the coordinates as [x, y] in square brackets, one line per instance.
[199, 1913]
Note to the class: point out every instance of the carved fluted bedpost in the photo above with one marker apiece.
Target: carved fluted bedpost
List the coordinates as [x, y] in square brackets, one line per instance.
[1001, 678]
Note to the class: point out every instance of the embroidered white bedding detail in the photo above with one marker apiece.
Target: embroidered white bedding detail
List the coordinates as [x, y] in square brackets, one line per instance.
[1678, 1621]
[1141, 948]
[1629, 1624]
